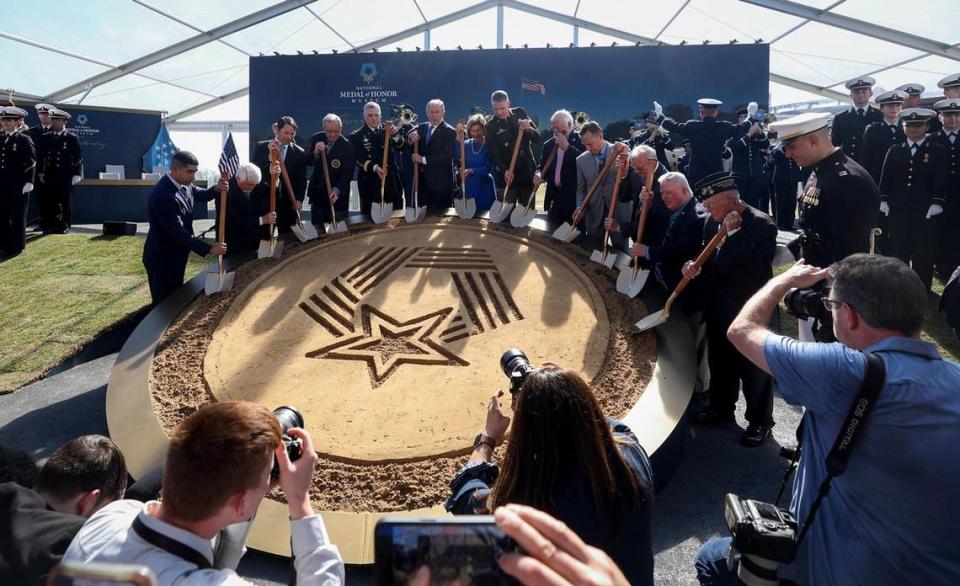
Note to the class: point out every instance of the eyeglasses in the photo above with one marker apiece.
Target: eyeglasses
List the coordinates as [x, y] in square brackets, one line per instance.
[831, 303]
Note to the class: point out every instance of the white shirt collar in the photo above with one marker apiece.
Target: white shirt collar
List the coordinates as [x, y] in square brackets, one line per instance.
[191, 540]
[919, 143]
[177, 184]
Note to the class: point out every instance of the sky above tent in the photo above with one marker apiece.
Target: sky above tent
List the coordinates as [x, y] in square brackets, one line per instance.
[69, 42]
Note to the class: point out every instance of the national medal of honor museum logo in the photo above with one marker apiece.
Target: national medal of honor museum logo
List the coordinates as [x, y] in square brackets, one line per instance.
[368, 90]
[368, 72]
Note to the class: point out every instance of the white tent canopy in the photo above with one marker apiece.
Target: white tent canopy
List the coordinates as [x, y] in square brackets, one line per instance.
[190, 59]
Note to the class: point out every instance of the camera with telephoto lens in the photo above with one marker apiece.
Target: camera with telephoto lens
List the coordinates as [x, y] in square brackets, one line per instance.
[515, 365]
[808, 303]
[288, 417]
[764, 535]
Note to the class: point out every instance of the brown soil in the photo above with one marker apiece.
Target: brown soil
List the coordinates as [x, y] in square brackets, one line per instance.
[178, 387]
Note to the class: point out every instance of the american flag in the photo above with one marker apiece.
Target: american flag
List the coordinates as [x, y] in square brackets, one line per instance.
[533, 86]
[229, 159]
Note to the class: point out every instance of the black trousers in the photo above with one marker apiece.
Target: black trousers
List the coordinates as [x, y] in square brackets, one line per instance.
[947, 249]
[320, 207]
[912, 239]
[59, 212]
[519, 193]
[754, 192]
[785, 205]
[164, 280]
[13, 219]
[369, 188]
[46, 208]
[728, 368]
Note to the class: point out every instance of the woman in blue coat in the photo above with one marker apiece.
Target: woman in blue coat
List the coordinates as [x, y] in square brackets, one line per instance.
[480, 184]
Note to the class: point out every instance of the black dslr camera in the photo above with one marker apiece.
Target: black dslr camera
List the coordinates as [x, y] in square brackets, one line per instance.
[808, 303]
[515, 365]
[761, 529]
[288, 417]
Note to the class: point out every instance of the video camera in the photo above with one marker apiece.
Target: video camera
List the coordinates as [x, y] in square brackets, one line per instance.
[288, 417]
[515, 365]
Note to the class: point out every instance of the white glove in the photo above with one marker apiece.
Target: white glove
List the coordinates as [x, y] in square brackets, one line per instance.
[75, 179]
[935, 210]
[27, 187]
[751, 109]
[658, 108]
[884, 208]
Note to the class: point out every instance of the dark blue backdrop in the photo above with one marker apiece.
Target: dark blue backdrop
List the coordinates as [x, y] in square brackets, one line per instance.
[610, 83]
[110, 137]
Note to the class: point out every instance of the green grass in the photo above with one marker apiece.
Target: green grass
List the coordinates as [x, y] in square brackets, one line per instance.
[60, 293]
[935, 326]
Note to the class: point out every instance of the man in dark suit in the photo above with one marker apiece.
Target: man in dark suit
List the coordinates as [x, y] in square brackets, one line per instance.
[707, 136]
[248, 208]
[643, 162]
[18, 161]
[59, 167]
[438, 146]
[340, 159]
[502, 132]
[295, 160]
[561, 175]
[170, 238]
[848, 126]
[36, 526]
[948, 247]
[367, 144]
[733, 273]
[913, 191]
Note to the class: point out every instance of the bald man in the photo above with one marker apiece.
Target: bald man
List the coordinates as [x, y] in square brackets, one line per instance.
[248, 208]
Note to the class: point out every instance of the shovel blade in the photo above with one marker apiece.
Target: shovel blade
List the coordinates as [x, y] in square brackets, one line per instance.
[218, 283]
[299, 232]
[310, 231]
[410, 215]
[651, 321]
[381, 213]
[421, 213]
[521, 217]
[466, 207]
[500, 211]
[629, 285]
[336, 227]
[270, 248]
[566, 233]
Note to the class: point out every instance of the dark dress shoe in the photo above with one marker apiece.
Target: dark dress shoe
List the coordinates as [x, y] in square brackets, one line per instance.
[711, 415]
[755, 435]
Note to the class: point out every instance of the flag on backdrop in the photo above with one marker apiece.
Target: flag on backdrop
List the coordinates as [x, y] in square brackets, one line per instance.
[229, 158]
[533, 86]
[158, 158]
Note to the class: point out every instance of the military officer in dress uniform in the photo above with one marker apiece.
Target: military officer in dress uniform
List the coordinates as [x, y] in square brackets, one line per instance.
[18, 161]
[707, 136]
[59, 168]
[502, 132]
[848, 126]
[368, 156]
[913, 189]
[749, 155]
[733, 273]
[950, 85]
[913, 91]
[340, 168]
[877, 139]
[295, 160]
[947, 254]
[43, 114]
[649, 134]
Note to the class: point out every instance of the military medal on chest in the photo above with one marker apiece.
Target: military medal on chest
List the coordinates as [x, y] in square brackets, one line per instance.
[811, 193]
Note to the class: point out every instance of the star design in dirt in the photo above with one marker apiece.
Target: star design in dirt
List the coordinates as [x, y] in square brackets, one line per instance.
[386, 343]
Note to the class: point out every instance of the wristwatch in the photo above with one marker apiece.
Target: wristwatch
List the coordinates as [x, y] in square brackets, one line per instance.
[483, 438]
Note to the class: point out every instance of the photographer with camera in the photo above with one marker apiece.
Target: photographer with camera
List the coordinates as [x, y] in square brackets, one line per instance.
[882, 428]
[565, 458]
[221, 462]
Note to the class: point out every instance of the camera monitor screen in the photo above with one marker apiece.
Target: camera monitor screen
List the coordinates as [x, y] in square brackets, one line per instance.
[444, 550]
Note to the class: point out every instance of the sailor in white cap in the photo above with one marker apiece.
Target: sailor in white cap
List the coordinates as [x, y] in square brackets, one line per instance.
[948, 248]
[43, 113]
[839, 202]
[913, 188]
[707, 135]
[914, 91]
[17, 164]
[60, 166]
[879, 135]
[950, 85]
[848, 126]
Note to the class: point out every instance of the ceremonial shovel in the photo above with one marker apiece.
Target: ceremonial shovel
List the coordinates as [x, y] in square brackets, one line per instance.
[466, 207]
[501, 209]
[417, 212]
[655, 319]
[221, 280]
[605, 257]
[303, 232]
[381, 212]
[521, 217]
[568, 232]
[272, 247]
[632, 278]
[334, 227]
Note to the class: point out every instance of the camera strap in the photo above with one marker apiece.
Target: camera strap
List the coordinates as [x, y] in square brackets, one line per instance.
[169, 545]
[851, 430]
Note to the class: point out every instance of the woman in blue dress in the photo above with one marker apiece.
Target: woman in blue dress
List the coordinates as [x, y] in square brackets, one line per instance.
[480, 184]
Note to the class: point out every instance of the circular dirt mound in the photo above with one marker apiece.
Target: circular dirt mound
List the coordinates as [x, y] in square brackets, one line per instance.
[388, 341]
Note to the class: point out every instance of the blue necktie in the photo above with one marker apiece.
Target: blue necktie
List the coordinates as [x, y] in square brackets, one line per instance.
[429, 135]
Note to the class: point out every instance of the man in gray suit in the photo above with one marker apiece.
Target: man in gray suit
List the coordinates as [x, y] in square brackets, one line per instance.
[589, 165]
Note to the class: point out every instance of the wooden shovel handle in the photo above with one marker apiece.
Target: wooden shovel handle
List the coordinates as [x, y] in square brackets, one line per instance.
[616, 190]
[274, 155]
[516, 151]
[645, 209]
[222, 220]
[386, 153]
[596, 183]
[463, 159]
[711, 246]
[326, 171]
[416, 168]
[287, 184]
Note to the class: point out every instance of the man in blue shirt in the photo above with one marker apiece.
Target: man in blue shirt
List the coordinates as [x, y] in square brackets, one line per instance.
[892, 517]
